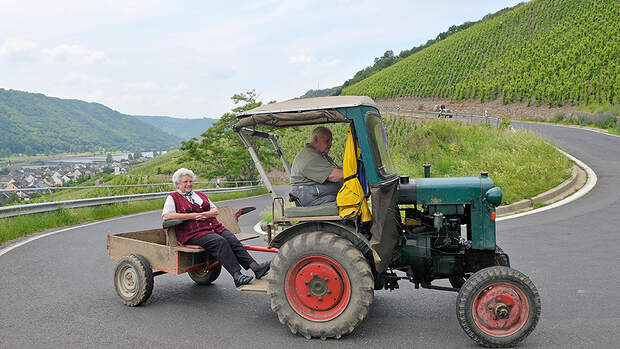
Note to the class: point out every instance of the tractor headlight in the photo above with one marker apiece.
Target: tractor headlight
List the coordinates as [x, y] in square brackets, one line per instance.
[494, 196]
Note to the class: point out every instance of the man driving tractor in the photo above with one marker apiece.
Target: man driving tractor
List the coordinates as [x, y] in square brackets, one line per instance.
[315, 177]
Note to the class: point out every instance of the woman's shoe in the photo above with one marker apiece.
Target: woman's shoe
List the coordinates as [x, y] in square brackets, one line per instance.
[243, 280]
[262, 269]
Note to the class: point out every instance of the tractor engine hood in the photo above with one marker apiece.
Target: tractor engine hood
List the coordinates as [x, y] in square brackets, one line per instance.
[447, 191]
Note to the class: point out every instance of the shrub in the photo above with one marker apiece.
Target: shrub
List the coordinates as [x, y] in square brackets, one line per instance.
[604, 120]
[557, 116]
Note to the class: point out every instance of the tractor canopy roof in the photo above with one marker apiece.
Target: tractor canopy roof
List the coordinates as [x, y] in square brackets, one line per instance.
[309, 111]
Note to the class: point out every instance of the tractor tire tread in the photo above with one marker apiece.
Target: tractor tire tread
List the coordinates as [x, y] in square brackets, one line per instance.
[474, 284]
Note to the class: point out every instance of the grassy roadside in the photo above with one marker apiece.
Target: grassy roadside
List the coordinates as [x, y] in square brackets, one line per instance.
[23, 225]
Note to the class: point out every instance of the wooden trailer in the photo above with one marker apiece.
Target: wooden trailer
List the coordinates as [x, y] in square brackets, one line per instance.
[142, 255]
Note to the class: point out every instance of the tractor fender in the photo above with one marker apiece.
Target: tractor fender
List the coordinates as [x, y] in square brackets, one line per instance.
[346, 231]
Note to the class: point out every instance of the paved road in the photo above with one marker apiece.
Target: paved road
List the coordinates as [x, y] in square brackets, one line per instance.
[58, 291]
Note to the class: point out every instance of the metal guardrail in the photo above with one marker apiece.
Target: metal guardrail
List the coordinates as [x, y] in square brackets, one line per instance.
[10, 211]
[152, 185]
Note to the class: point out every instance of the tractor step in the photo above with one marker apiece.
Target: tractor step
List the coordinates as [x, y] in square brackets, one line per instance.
[257, 287]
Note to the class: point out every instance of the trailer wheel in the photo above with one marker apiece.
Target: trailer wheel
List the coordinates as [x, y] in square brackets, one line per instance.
[501, 259]
[133, 280]
[320, 285]
[205, 276]
[498, 307]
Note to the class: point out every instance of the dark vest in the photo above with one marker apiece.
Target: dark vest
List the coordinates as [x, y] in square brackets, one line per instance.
[193, 229]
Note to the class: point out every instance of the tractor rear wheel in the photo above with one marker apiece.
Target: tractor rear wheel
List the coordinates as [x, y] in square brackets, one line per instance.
[498, 307]
[320, 285]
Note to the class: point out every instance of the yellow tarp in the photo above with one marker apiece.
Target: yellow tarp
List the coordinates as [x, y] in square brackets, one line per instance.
[350, 199]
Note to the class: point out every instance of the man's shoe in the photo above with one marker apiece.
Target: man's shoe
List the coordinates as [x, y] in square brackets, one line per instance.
[262, 269]
[243, 280]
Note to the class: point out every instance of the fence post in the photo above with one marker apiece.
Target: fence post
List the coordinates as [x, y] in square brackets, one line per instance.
[108, 188]
[152, 188]
[51, 194]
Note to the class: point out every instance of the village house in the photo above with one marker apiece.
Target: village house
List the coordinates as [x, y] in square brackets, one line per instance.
[41, 175]
[55, 179]
[29, 180]
[4, 180]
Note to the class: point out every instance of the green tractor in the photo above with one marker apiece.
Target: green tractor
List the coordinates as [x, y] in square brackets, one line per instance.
[329, 263]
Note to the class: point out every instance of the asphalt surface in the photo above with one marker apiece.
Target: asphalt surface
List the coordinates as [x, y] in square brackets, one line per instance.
[58, 291]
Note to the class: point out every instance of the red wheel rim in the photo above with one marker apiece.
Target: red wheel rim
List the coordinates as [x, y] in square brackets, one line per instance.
[501, 309]
[318, 288]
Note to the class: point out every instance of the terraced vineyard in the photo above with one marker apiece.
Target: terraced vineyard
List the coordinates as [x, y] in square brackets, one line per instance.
[547, 51]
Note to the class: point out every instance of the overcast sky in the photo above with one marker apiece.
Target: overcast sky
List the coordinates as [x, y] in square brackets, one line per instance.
[187, 58]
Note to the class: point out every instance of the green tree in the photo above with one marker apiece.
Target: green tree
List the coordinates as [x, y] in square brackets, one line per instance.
[108, 158]
[221, 150]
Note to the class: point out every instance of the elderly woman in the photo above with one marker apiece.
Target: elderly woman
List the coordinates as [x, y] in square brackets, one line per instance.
[202, 228]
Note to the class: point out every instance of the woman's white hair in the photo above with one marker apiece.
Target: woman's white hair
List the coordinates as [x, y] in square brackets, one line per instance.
[176, 177]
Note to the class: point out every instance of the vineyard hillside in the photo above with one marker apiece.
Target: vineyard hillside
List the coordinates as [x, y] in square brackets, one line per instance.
[547, 51]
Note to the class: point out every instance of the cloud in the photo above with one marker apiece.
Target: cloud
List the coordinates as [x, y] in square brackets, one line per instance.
[74, 54]
[18, 48]
[301, 59]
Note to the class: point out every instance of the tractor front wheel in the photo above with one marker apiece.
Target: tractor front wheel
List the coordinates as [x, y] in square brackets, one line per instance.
[498, 307]
[320, 285]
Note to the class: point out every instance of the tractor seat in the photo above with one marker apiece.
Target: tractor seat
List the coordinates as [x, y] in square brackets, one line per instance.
[328, 209]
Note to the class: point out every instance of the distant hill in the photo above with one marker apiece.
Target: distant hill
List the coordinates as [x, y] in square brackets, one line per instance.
[320, 93]
[545, 51]
[33, 123]
[182, 128]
